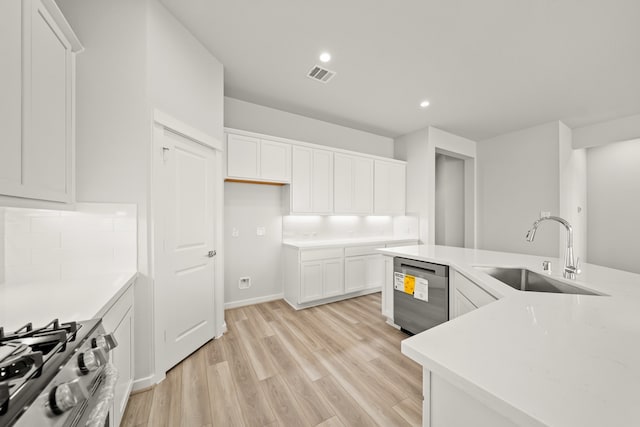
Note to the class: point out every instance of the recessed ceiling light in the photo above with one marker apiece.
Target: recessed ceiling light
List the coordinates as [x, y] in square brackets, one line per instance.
[424, 104]
[325, 57]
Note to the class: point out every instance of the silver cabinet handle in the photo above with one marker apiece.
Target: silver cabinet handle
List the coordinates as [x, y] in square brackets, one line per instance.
[211, 254]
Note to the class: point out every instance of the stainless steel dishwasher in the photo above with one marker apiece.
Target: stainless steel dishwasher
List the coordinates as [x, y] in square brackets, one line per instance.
[420, 294]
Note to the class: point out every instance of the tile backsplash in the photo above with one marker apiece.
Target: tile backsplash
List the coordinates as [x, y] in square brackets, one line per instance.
[313, 227]
[59, 245]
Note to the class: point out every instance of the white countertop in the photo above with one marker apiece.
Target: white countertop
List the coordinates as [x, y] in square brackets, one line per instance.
[309, 244]
[69, 300]
[540, 359]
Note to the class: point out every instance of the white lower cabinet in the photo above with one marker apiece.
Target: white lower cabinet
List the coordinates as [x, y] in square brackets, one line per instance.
[118, 320]
[465, 295]
[320, 279]
[363, 272]
[316, 276]
[443, 402]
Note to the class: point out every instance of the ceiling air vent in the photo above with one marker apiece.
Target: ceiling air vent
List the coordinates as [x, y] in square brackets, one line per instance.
[320, 74]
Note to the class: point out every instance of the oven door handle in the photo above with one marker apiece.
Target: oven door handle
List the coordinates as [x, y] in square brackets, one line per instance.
[100, 412]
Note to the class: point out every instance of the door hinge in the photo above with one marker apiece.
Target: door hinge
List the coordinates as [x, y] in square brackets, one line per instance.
[165, 154]
[165, 335]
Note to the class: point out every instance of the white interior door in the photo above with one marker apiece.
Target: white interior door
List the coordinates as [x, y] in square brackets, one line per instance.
[186, 264]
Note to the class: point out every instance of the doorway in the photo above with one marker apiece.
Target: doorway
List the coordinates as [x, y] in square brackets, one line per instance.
[449, 201]
[185, 206]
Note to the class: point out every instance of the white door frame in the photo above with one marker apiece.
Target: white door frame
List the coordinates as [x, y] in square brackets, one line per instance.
[162, 121]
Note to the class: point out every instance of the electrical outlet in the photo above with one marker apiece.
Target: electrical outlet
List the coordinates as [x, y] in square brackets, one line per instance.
[261, 231]
[244, 282]
[545, 214]
[235, 232]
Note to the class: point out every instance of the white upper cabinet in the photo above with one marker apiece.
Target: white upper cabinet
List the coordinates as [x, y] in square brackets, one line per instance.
[275, 161]
[243, 156]
[36, 153]
[353, 184]
[11, 98]
[312, 181]
[258, 159]
[390, 188]
[324, 181]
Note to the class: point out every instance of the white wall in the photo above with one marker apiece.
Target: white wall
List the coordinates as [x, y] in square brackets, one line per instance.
[518, 177]
[613, 182]
[449, 201]
[113, 129]
[257, 118]
[418, 149]
[185, 80]
[137, 58]
[621, 129]
[573, 193]
[246, 207]
[415, 150]
[316, 227]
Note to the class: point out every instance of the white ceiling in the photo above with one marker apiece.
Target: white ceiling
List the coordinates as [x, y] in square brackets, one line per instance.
[487, 67]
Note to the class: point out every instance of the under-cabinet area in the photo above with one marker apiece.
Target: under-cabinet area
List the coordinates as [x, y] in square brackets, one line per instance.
[317, 275]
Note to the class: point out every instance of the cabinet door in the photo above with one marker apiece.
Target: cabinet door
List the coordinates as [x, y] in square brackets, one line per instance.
[342, 183]
[461, 304]
[333, 277]
[355, 273]
[362, 185]
[46, 150]
[375, 273]
[301, 180]
[390, 188]
[122, 358]
[311, 281]
[275, 160]
[11, 98]
[353, 184]
[322, 182]
[243, 157]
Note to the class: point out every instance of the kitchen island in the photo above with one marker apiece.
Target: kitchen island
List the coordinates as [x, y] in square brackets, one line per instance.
[529, 358]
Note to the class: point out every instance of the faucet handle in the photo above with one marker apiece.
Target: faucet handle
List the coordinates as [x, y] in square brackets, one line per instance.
[574, 269]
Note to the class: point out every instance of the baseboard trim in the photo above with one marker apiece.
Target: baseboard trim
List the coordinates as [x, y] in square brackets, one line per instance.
[142, 384]
[393, 325]
[251, 301]
[223, 330]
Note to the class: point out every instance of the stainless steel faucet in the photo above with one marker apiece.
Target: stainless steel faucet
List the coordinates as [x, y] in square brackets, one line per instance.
[571, 266]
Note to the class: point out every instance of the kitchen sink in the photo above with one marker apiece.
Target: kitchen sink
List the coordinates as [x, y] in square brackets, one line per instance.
[527, 280]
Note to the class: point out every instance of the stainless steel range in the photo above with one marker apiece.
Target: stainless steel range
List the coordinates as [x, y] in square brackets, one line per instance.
[56, 375]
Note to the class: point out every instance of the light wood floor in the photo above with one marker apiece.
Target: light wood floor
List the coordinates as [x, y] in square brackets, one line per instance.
[334, 365]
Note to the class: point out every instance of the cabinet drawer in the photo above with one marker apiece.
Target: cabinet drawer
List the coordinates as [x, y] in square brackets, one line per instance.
[315, 254]
[118, 310]
[474, 293]
[362, 250]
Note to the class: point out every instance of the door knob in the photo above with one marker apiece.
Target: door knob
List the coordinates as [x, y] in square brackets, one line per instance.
[211, 254]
